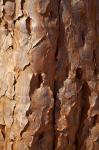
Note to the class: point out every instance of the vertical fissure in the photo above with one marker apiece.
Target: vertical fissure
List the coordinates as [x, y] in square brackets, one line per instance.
[55, 85]
[22, 4]
[28, 25]
[84, 104]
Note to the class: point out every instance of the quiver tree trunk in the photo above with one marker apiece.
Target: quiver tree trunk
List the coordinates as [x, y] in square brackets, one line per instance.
[49, 75]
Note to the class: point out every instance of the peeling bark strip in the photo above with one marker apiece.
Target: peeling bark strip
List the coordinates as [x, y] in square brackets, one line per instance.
[49, 75]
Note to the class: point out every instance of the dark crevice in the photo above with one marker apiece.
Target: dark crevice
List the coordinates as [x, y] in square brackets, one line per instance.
[22, 4]
[41, 136]
[12, 147]
[79, 73]
[40, 79]
[6, 26]
[0, 21]
[83, 38]
[35, 83]
[26, 66]
[55, 84]
[28, 25]
[3, 14]
[95, 118]
[2, 127]
[84, 105]
[25, 129]
[96, 70]
[37, 140]
[18, 18]
[59, 30]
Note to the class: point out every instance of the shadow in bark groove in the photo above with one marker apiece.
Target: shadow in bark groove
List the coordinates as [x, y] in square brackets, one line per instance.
[83, 131]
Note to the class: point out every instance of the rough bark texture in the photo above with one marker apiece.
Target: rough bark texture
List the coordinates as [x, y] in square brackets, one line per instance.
[49, 75]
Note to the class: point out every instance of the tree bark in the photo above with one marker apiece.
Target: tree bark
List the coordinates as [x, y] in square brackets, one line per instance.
[49, 75]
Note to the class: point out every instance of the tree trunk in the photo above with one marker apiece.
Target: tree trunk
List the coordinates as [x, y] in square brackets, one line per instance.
[49, 75]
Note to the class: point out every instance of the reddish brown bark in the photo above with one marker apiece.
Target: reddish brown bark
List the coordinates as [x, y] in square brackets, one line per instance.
[49, 75]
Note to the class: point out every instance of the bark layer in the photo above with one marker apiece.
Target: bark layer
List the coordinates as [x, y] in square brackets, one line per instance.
[49, 75]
